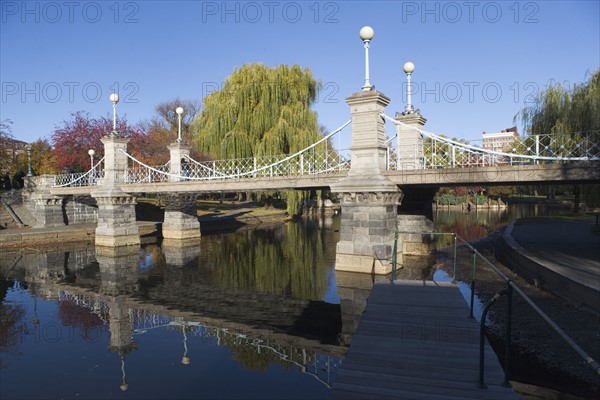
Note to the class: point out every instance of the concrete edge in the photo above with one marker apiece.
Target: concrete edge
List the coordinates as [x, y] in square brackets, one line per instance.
[541, 274]
[63, 234]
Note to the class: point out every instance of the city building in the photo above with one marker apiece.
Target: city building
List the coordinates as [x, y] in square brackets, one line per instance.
[500, 141]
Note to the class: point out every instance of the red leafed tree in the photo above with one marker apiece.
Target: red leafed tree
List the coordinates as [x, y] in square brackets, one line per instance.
[75, 137]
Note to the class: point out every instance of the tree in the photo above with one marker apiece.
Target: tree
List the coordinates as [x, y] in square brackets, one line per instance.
[260, 111]
[151, 145]
[559, 109]
[166, 117]
[573, 114]
[6, 138]
[75, 137]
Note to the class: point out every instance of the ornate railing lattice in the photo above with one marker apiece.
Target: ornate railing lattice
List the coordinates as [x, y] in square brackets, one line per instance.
[441, 152]
[88, 178]
[318, 158]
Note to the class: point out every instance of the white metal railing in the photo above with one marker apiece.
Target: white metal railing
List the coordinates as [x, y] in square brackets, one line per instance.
[318, 158]
[88, 178]
[440, 152]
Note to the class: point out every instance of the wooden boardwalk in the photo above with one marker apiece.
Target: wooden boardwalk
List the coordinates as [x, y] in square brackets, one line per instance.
[414, 341]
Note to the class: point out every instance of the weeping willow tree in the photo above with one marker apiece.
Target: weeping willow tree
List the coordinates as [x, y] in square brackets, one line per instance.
[572, 114]
[260, 111]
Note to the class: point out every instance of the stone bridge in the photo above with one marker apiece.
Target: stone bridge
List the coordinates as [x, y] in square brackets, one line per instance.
[384, 194]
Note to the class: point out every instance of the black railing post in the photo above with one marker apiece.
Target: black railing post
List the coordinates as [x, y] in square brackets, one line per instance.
[473, 284]
[507, 339]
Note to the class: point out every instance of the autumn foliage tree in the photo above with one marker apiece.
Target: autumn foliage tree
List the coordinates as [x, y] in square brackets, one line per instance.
[5, 138]
[72, 140]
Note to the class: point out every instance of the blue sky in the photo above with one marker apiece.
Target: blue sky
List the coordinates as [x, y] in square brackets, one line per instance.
[477, 62]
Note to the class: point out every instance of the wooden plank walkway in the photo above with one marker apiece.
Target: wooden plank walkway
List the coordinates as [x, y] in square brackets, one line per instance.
[414, 341]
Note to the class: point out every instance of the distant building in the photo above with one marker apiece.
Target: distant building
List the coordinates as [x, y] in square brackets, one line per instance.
[500, 141]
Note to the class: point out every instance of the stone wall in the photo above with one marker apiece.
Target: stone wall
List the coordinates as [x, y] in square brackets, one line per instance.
[80, 210]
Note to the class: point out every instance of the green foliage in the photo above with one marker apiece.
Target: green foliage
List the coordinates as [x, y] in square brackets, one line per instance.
[260, 111]
[566, 111]
[559, 109]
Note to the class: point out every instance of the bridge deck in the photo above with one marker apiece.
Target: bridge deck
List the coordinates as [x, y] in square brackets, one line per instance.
[415, 341]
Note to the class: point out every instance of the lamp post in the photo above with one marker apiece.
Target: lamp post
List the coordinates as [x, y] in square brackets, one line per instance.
[114, 99]
[28, 147]
[179, 111]
[408, 70]
[91, 152]
[366, 35]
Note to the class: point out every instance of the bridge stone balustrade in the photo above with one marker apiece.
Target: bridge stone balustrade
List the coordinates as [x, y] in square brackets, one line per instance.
[181, 218]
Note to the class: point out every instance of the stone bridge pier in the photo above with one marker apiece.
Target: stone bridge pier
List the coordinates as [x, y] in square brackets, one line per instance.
[116, 209]
[181, 218]
[368, 199]
[371, 202]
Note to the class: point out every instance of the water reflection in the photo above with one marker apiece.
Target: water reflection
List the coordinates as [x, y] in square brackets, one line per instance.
[247, 308]
[247, 314]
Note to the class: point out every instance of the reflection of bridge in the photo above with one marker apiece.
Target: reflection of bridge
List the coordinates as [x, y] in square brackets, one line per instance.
[132, 300]
[385, 187]
[115, 287]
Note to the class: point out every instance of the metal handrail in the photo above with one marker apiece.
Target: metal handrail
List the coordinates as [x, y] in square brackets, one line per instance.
[589, 361]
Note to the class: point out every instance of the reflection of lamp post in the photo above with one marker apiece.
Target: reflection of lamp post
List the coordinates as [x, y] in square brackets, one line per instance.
[185, 360]
[123, 384]
[179, 111]
[408, 70]
[114, 99]
[28, 147]
[366, 35]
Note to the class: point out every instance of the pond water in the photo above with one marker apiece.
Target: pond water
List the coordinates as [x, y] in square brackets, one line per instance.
[258, 313]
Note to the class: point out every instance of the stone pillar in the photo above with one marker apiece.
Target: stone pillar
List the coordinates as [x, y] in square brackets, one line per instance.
[410, 141]
[178, 151]
[116, 219]
[116, 209]
[46, 209]
[415, 222]
[181, 217]
[369, 200]
[115, 161]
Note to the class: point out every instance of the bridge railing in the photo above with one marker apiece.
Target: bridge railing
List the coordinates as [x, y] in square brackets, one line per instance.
[441, 152]
[318, 158]
[142, 174]
[88, 178]
[309, 163]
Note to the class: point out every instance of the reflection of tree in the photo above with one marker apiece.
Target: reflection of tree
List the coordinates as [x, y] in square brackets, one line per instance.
[10, 316]
[71, 314]
[287, 260]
